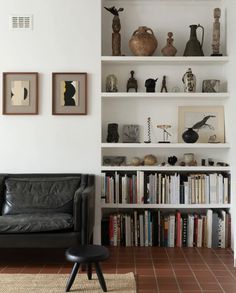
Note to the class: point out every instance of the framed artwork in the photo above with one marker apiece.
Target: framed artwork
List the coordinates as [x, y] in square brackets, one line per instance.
[207, 121]
[20, 93]
[69, 93]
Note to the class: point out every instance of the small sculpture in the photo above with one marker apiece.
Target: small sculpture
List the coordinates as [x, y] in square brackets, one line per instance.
[216, 33]
[211, 86]
[189, 81]
[175, 89]
[111, 83]
[163, 86]
[169, 49]
[132, 82]
[166, 134]
[131, 133]
[149, 130]
[211, 162]
[112, 135]
[213, 139]
[136, 161]
[189, 159]
[150, 85]
[150, 160]
[116, 26]
[172, 160]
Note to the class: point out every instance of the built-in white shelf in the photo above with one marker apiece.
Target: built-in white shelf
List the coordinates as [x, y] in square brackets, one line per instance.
[167, 168]
[164, 206]
[169, 96]
[151, 60]
[168, 145]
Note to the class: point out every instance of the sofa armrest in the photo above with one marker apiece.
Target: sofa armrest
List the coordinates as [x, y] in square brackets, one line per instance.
[88, 211]
[77, 207]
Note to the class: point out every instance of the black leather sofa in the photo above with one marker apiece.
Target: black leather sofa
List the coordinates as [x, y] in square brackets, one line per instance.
[46, 210]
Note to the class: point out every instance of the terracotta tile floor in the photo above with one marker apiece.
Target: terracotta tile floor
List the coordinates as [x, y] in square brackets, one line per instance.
[158, 270]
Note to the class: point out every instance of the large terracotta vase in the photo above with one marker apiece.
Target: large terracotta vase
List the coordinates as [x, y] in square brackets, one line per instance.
[143, 42]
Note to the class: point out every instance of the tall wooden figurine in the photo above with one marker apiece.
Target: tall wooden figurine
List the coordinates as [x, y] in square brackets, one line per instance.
[216, 33]
[116, 26]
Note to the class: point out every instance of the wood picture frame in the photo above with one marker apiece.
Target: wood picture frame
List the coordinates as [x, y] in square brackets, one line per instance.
[20, 93]
[69, 93]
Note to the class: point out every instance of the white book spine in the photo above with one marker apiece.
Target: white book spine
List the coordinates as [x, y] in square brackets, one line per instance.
[190, 231]
[226, 190]
[141, 230]
[209, 228]
[199, 233]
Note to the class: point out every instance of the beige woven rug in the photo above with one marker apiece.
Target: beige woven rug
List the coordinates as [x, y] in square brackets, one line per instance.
[55, 283]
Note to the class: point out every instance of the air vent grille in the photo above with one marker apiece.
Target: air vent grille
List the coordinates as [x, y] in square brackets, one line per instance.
[21, 22]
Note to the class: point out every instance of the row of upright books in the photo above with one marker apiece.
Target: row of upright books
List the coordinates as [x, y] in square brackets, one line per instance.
[154, 228]
[159, 188]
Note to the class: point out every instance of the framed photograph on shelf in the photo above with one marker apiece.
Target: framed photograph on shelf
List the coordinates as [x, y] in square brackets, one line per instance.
[207, 121]
[20, 93]
[69, 93]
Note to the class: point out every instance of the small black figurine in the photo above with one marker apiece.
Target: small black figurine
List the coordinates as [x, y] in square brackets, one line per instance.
[112, 132]
[163, 86]
[132, 82]
[150, 85]
[172, 160]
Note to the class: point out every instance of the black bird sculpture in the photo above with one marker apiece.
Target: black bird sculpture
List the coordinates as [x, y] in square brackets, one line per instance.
[113, 10]
[203, 123]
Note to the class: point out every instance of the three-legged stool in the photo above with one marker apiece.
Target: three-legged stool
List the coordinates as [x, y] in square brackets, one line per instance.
[89, 255]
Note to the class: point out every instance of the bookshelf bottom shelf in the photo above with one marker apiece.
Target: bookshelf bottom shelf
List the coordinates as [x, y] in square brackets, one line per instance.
[210, 229]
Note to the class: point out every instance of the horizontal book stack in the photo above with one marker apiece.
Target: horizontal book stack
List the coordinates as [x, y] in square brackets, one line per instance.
[154, 228]
[159, 188]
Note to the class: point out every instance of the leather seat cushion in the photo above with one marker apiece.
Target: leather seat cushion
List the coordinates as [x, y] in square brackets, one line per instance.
[39, 195]
[26, 223]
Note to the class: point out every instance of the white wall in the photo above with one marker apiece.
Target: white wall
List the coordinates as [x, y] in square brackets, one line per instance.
[66, 37]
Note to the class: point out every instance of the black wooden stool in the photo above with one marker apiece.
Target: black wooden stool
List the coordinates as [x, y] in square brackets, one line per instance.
[87, 254]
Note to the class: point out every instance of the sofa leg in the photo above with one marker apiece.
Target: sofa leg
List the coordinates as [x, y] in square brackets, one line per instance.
[72, 276]
[89, 270]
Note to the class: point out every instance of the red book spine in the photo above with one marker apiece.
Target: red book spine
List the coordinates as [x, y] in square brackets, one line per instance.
[178, 229]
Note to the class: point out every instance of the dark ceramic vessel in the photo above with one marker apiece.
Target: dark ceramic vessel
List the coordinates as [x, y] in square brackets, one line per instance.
[190, 136]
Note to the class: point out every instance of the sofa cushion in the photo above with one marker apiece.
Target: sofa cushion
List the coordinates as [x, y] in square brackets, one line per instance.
[26, 223]
[39, 195]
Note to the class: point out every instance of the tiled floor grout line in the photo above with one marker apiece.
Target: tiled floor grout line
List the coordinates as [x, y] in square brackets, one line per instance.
[177, 282]
[225, 266]
[210, 270]
[189, 265]
[155, 275]
[135, 269]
